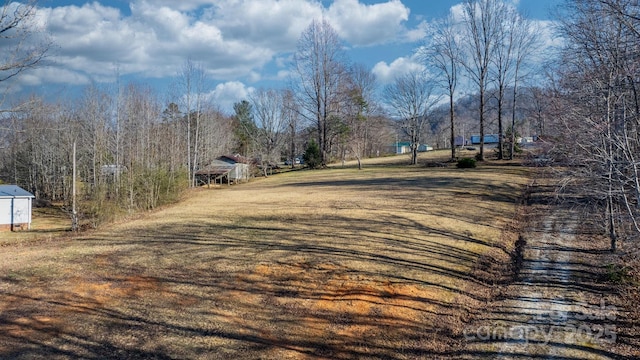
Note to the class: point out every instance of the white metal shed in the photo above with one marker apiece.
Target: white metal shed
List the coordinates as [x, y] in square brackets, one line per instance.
[15, 208]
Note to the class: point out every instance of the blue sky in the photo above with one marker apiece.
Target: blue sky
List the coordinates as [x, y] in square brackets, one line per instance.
[242, 44]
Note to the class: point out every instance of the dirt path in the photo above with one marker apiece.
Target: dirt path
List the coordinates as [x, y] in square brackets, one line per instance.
[554, 310]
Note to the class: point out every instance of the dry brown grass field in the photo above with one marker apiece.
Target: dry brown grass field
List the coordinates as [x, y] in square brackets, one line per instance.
[47, 223]
[387, 262]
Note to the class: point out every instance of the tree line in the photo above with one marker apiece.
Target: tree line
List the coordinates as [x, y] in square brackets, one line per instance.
[138, 149]
[135, 149]
[593, 97]
[131, 152]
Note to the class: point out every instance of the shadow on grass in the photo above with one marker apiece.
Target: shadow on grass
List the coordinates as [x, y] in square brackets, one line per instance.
[266, 287]
[371, 289]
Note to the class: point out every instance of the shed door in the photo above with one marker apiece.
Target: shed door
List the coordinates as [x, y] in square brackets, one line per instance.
[21, 211]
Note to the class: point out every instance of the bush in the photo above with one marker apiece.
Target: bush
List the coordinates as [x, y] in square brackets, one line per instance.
[148, 189]
[312, 156]
[466, 163]
[618, 274]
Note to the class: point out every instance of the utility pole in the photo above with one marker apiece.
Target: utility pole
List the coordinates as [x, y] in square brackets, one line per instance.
[74, 213]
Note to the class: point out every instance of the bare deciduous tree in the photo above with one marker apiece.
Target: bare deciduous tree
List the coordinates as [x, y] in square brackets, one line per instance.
[525, 43]
[443, 52]
[602, 117]
[22, 44]
[412, 97]
[319, 65]
[482, 20]
[192, 80]
[359, 108]
[271, 115]
[503, 63]
[291, 113]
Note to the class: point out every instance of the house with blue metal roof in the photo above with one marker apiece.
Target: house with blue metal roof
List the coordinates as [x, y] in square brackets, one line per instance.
[15, 208]
[488, 139]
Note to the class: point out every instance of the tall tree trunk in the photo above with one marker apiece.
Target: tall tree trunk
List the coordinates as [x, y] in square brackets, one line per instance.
[608, 141]
[611, 223]
[513, 115]
[452, 124]
[414, 147]
[500, 127]
[292, 149]
[189, 145]
[481, 110]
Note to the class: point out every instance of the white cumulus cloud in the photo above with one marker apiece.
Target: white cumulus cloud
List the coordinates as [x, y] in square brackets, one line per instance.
[363, 25]
[233, 39]
[228, 93]
[386, 73]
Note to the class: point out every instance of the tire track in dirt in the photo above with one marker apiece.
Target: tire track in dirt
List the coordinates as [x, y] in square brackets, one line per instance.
[553, 318]
[550, 313]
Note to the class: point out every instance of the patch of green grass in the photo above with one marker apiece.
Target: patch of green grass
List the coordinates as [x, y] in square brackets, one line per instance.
[619, 274]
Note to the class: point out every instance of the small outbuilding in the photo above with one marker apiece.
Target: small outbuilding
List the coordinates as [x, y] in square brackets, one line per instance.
[241, 167]
[228, 168]
[216, 171]
[405, 147]
[15, 208]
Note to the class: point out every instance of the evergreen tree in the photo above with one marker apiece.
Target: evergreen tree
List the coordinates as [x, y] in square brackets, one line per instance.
[312, 156]
[244, 127]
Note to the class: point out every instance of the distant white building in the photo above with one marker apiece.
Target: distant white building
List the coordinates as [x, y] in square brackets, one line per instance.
[15, 208]
[405, 147]
[525, 140]
[112, 172]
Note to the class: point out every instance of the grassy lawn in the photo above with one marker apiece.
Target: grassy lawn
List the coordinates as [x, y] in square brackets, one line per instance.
[46, 224]
[387, 262]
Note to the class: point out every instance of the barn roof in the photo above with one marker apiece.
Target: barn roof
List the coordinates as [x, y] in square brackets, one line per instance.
[216, 167]
[235, 159]
[11, 191]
